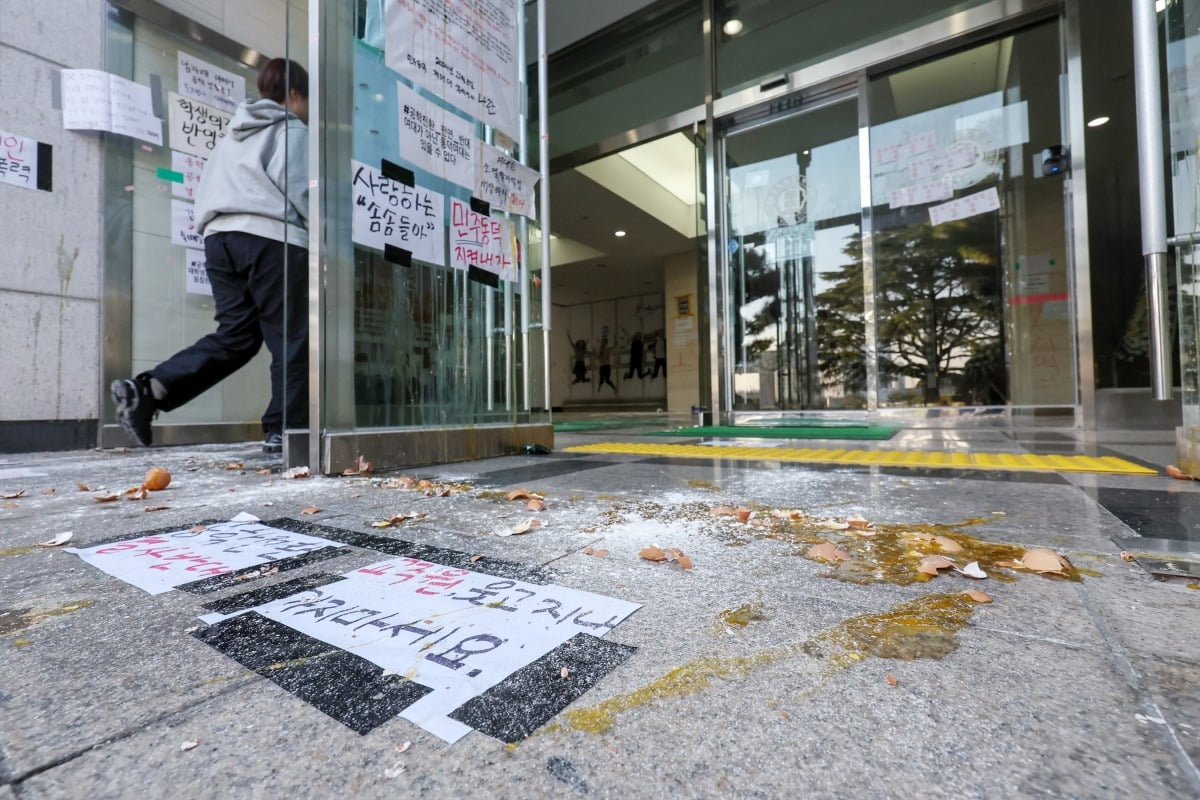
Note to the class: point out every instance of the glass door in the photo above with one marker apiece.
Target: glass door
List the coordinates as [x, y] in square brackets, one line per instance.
[972, 279]
[794, 249]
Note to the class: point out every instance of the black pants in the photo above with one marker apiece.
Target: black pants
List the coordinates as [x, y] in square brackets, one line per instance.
[252, 308]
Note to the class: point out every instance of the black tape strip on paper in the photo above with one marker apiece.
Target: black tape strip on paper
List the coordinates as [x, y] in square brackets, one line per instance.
[218, 582]
[347, 688]
[397, 255]
[533, 695]
[395, 172]
[45, 176]
[425, 552]
[483, 276]
[257, 597]
[481, 206]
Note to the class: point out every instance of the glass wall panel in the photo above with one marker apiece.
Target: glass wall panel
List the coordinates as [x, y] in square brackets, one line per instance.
[795, 267]
[1183, 87]
[973, 289]
[648, 68]
[408, 340]
[150, 223]
[760, 39]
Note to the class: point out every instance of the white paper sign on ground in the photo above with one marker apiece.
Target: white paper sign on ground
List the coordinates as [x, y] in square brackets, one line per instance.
[195, 127]
[197, 274]
[96, 100]
[162, 561]
[183, 225]
[18, 160]
[192, 169]
[209, 83]
[481, 241]
[436, 140]
[388, 212]
[964, 207]
[505, 183]
[455, 631]
[464, 51]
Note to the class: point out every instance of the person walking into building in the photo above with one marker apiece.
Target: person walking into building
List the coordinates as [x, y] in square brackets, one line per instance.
[252, 209]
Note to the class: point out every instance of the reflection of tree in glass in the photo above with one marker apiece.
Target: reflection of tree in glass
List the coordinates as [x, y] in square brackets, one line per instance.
[761, 303]
[937, 304]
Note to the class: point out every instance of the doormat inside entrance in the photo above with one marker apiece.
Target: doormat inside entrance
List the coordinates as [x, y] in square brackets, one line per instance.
[578, 425]
[857, 431]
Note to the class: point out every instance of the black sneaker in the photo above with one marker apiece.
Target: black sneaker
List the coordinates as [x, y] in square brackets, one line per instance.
[135, 408]
[273, 443]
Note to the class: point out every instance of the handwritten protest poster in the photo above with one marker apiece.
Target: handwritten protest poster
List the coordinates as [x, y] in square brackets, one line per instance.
[95, 100]
[463, 51]
[387, 212]
[192, 169]
[210, 84]
[163, 561]
[477, 240]
[197, 274]
[505, 183]
[183, 225]
[436, 140]
[195, 127]
[455, 631]
[964, 207]
[18, 160]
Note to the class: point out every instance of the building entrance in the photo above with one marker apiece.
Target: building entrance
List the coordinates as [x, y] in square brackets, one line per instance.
[903, 242]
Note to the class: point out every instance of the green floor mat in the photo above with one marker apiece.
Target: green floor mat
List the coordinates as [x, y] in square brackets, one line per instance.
[877, 432]
[579, 425]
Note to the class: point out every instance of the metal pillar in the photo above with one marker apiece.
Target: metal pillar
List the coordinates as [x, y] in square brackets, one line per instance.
[544, 166]
[1152, 190]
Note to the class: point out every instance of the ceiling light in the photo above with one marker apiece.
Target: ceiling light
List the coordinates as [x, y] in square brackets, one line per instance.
[1097, 122]
[618, 234]
[733, 27]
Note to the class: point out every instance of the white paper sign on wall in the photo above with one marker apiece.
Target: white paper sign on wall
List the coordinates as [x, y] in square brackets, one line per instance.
[209, 83]
[197, 274]
[505, 183]
[95, 100]
[464, 51]
[195, 127]
[481, 241]
[387, 212]
[183, 225]
[436, 140]
[18, 160]
[192, 169]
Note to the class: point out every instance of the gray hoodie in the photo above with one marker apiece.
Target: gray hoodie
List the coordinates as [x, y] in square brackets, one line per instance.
[257, 179]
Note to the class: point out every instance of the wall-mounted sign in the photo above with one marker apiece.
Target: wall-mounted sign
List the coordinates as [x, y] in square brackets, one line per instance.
[505, 183]
[210, 84]
[436, 140]
[463, 51]
[195, 127]
[387, 212]
[25, 162]
[97, 101]
[481, 241]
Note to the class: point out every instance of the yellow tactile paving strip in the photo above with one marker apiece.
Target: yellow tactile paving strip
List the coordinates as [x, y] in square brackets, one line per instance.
[1010, 462]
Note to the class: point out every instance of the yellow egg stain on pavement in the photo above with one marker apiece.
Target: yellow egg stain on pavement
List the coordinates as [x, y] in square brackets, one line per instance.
[924, 628]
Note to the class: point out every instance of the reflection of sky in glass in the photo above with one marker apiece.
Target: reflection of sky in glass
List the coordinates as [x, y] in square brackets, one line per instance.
[764, 192]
